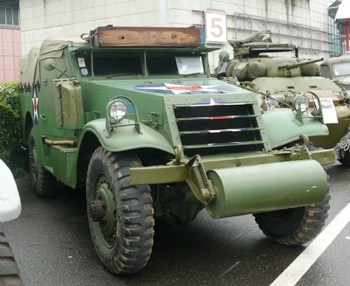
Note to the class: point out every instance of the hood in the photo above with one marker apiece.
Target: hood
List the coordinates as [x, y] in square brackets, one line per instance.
[345, 81]
[169, 87]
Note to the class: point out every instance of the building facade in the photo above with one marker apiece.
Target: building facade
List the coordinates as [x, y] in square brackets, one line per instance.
[302, 22]
[338, 29]
[10, 40]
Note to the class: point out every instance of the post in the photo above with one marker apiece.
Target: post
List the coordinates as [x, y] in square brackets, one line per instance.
[347, 35]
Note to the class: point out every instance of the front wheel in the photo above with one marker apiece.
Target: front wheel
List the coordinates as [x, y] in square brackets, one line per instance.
[294, 226]
[120, 214]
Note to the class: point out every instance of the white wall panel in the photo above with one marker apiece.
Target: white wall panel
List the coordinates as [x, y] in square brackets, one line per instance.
[305, 22]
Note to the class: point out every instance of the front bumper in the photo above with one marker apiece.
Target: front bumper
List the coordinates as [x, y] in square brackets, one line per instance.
[248, 184]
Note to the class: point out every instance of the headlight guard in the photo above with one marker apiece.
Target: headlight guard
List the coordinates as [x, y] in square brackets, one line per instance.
[121, 111]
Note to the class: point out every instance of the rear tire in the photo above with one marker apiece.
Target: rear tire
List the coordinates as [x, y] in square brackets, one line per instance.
[120, 214]
[294, 226]
[43, 182]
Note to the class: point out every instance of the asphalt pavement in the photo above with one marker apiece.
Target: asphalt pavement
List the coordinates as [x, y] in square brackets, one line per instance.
[52, 246]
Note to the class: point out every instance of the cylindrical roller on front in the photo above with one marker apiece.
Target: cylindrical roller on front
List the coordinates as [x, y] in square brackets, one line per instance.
[266, 187]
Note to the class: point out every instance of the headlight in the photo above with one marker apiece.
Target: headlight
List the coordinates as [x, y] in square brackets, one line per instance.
[301, 103]
[304, 103]
[117, 110]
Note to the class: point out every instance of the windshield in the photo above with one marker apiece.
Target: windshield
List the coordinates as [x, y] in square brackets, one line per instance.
[108, 64]
[341, 69]
[174, 65]
[132, 64]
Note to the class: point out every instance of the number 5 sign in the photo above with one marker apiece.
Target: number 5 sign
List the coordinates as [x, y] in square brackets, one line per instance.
[215, 27]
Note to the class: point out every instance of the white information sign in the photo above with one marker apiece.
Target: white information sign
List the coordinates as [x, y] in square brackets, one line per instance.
[328, 111]
[189, 65]
[215, 27]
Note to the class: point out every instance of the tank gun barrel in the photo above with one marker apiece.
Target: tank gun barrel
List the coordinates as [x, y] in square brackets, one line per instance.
[293, 66]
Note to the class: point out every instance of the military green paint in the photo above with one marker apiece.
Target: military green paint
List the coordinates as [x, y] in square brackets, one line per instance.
[104, 194]
[79, 110]
[282, 128]
[127, 138]
[183, 124]
[284, 85]
[180, 173]
[68, 103]
[64, 167]
[298, 84]
[324, 158]
[336, 131]
[270, 187]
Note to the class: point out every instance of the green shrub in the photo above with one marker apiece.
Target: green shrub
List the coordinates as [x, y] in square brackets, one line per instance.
[11, 151]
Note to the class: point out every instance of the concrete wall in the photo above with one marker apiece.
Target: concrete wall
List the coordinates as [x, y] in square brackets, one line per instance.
[10, 52]
[46, 18]
[303, 22]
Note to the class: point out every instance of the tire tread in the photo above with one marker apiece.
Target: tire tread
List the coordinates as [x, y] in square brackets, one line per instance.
[310, 225]
[136, 223]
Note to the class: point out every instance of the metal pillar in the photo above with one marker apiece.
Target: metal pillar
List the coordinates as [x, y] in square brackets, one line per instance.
[347, 36]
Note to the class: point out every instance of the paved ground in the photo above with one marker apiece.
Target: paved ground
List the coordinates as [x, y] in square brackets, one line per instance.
[52, 246]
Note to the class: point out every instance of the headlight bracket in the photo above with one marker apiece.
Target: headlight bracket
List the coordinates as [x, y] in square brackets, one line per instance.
[121, 111]
[303, 103]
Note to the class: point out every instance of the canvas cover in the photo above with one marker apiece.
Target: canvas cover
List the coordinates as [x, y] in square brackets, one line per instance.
[27, 66]
[50, 48]
[267, 46]
[261, 37]
[259, 42]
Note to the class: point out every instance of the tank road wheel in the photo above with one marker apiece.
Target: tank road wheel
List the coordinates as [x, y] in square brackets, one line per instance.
[43, 182]
[120, 214]
[294, 226]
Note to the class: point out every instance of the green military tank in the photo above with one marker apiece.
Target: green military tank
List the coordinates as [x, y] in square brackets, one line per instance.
[276, 72]
[133, 115]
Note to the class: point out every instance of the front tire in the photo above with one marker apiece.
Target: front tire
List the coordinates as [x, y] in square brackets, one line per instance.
[43, 182]
[120, 215]
[294, 226]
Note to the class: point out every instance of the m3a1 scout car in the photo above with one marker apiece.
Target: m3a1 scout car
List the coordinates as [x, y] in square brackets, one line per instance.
[134, 115]
[275, 71]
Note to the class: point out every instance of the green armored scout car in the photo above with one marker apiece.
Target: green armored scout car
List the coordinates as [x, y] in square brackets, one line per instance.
[275, 71]
[133, 115]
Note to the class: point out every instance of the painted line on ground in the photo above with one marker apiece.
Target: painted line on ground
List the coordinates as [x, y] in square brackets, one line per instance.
[296, 270]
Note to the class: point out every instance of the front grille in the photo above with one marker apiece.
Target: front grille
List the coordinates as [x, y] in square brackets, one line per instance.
[218, 129]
